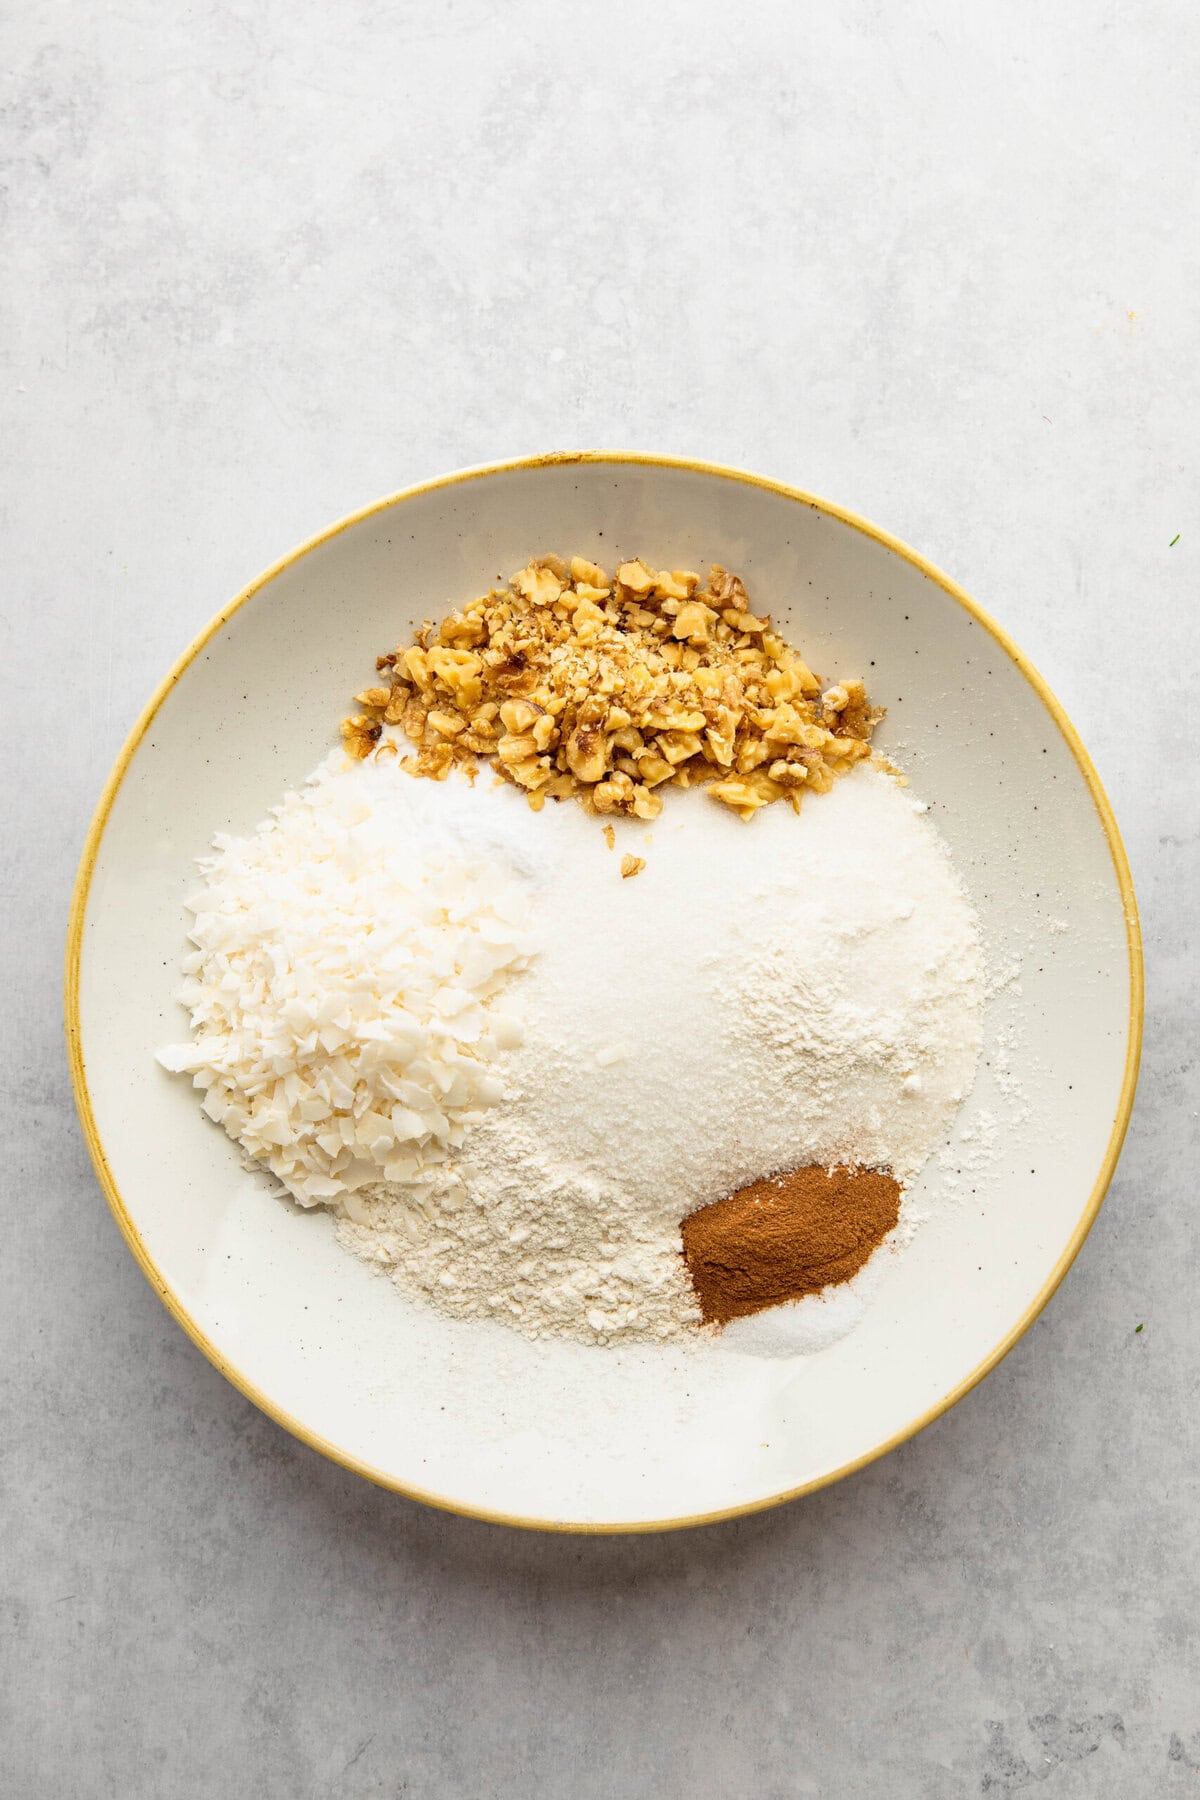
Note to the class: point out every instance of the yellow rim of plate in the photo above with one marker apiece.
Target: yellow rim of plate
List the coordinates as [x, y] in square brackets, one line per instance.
[104, 1172]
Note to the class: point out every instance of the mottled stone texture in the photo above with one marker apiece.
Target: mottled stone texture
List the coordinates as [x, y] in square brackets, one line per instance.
[267, 261]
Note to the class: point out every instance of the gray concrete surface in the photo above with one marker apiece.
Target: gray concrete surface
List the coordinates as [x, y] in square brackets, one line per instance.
[265, 262]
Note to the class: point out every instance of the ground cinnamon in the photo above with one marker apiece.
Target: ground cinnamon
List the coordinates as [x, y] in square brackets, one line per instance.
[787, 1236]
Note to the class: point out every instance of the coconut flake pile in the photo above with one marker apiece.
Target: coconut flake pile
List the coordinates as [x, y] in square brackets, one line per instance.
[342, 992]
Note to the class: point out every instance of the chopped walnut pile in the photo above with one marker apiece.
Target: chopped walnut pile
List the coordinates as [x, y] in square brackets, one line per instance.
[573, 683]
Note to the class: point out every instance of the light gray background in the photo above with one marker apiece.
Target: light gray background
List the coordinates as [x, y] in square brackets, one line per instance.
[266, 262]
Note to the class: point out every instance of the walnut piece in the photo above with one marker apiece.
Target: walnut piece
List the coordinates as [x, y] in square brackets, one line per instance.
[574, 683]
[631, 865]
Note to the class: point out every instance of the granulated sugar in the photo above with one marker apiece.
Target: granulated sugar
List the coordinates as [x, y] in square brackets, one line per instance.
[759, 997]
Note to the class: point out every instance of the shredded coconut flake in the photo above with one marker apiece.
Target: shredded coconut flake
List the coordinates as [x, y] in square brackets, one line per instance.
[342, 995]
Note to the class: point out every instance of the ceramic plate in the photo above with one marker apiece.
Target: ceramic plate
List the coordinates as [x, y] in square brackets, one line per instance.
[469, 1415]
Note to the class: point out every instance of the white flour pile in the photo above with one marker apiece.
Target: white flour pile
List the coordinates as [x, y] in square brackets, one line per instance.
[793, 991]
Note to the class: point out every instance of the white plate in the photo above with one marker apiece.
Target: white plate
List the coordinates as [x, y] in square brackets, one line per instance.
[472, 1416]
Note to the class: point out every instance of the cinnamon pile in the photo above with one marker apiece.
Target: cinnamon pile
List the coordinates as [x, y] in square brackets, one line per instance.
[787, 1236]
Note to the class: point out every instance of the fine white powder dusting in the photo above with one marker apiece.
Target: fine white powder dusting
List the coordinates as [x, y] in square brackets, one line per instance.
[760, 996]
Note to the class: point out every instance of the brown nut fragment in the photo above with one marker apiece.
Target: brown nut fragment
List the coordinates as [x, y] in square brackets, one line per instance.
[538, 584]
[519, 715]
[645, 805]
[694, 622]
[586, 753]
[587, 573]
[636, 577]
[726, 589]
[857, 718]
[631, 865]
[448, 724]
[360, 736]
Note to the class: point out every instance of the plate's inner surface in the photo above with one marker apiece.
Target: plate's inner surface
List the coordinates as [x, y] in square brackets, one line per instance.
[473, 1413]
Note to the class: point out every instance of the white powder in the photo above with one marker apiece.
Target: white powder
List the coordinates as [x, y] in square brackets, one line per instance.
[761, 996]
[799, 1327]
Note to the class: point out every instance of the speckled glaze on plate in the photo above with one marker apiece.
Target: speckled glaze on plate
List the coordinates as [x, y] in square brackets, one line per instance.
[471, 1416]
